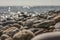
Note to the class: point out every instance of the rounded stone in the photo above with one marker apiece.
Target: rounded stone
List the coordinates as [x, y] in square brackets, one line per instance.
[48, 36]
[23, 35]
[57, 18]
[11, 31]
[57, 25]
[6, 37]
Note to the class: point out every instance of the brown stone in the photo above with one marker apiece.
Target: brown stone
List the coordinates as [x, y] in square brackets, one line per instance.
[57, 18]
[11, 31]
[23, 35]
[5, 37]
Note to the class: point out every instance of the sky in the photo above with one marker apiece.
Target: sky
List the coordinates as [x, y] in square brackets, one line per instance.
[29, 2]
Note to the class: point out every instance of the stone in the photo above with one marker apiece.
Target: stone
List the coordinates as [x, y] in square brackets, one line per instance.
[20, 23]
[48, 36]
[1, 32]
[23, 35]
[11, 31]
[5, 37]
[29, 22]
[1, 26]
[17, 25]
[34, 29]
[57, 25]
[38, 21]
[57, 18]
[44, 24]
[56, 30]
[8, 22]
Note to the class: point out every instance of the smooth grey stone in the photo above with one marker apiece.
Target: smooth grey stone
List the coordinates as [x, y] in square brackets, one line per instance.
[57, 25]
[29, 22]
[48, 36]
[1, 26]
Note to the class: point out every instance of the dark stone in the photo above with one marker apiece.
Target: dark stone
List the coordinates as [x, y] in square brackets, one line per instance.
[8, 22]
[1, 32]
[20, 23]
[45, 24]
[34, 29]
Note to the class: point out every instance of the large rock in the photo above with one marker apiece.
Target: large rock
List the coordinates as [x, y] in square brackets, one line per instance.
[5, 37]
[41, 31]
[11, 31]
[1, 26]
[9, 18]
[48, 36]
[19, 19]
[38, 21]
[57, 18]
[9, 22]
[23, 35]
[44, 16]
[29, 22]
[57, 25]
[44, 24]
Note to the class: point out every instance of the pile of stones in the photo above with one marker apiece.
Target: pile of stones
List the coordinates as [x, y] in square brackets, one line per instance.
[27, 27]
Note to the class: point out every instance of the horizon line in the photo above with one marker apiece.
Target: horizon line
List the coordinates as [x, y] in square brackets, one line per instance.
[30, 5]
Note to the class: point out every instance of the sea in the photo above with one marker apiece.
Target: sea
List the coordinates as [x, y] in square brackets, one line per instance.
[5, 10]
[28, 8]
